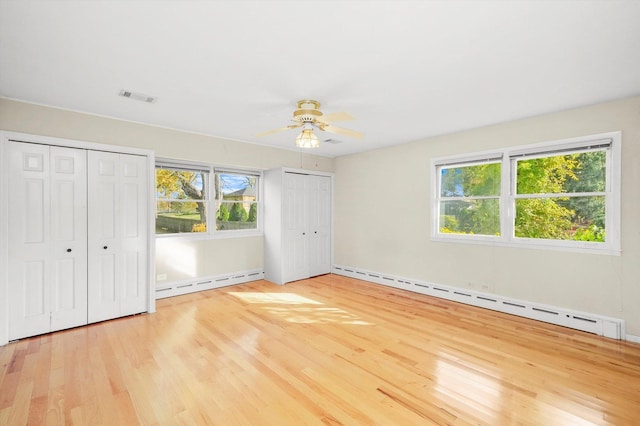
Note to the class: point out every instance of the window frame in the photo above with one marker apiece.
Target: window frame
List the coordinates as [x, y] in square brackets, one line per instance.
[460, 164]
[211, 201]
[509, 156]
[257, 202]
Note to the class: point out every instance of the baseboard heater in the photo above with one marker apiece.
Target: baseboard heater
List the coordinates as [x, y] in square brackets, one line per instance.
[177, 288]
[604, 326]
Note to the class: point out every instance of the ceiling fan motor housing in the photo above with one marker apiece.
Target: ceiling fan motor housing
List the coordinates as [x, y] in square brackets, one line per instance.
[307, 111]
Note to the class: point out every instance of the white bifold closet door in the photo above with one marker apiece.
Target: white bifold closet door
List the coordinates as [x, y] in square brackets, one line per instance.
[307, 226]
[319, 225]
[297, 216]
[117, 235]
[78, 228]
[48, 239]
[295, 226]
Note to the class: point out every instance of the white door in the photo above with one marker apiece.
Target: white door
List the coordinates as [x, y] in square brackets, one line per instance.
[68, 237]
[319, 225]
[134, 218]
[47, 235]
[295, 222]
[117, 247]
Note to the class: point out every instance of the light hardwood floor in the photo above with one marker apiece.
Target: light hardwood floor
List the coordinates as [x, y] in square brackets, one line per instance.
[329, 350]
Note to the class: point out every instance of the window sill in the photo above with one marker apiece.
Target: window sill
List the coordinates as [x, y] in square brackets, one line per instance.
[221, 235]
[523, 243]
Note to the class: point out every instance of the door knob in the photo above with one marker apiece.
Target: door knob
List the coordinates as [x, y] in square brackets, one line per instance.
[105, 247]
[304, 233]
[68, 250]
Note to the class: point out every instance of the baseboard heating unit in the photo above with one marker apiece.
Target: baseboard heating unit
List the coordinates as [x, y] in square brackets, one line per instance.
[177, 288]
[604, 326]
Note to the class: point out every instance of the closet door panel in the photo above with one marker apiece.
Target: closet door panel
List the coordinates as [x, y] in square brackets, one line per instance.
[117, 235]
[47, 231]
[319, 225]
[29, 263]
[34, 293]
[68, 237]
[134, 219]
[295, 222]
[103, 244]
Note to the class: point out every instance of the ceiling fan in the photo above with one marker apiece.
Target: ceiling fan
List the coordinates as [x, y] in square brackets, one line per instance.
[307, 116]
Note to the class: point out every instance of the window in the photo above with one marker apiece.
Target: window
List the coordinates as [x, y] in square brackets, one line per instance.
[470, 199]
[557, 195]
[561, 197]
[181, 199]
[187, 194]
[236, 200]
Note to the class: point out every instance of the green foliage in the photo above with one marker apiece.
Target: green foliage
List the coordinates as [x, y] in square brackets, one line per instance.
[450, 223]
[477, 180]
[223, 213]
[557, 218]
[472, 216]
[540, 216]
[592, 233]
[545, 175]
[590, 175]
[544, 217]
[180, 208]
[253, 213]
[238, 213]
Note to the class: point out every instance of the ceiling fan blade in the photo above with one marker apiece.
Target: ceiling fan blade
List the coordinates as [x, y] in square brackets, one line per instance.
[336, 116]
[342, 131]
[281, 129]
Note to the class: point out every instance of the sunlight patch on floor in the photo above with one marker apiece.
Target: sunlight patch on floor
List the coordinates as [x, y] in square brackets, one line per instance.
[280, 298]
[312, 314]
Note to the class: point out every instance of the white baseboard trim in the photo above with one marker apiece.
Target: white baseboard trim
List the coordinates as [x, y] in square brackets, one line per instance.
[601, 325]
[632, 338]
[177, 288]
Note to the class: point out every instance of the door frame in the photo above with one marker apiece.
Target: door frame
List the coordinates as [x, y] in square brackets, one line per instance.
[5, 138]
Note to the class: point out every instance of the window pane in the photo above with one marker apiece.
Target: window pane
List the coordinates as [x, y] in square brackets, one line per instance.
[584, 172]
[177, 216]
[481, 217]
[563, 218]
[181, 201]
[180, 185]
[236, 215]
[236, 187]
[465, 181]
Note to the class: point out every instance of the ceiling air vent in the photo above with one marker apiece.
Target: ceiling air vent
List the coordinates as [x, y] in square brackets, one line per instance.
[138, 96]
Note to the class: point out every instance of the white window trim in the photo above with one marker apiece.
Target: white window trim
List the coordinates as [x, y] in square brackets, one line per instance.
[612, 245]
[211, 232]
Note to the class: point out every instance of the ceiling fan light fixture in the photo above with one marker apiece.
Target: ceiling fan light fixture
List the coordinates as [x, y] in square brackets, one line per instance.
[307, 139]
[307, 116]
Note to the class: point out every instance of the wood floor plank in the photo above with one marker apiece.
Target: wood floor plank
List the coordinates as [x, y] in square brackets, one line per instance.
[328, 351]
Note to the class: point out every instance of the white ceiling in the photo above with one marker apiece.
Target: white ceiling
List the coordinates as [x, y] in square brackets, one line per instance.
[406, 70]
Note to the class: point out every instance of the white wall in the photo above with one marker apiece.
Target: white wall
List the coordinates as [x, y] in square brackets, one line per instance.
[382, 206]
[178, 258]
[382, 219]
